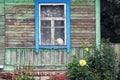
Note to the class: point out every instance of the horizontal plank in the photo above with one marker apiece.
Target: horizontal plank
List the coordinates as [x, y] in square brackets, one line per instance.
[27, 20]
[83, 11]
[23, 6]
[77, 45]
[83, 35]
[20, 7]
[82, 6]
[83, 21]
[83, 26]
[15, 39]
[82, 38]
[21, 26]
[19, 16]
[16, 28]
[75, 31]
[19, 34]
[84, 16]
[20, 44]
[81, 42]
[78, 3]
[19, 2]
[18, 11]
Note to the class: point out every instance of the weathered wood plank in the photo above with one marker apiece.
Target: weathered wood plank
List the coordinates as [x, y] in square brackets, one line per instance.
[15, 39]
[2, 31]
[20, 44]
[44, 58]
[2, 0]
[83, 35]
[2, 49]
[2, 39]
[19, 35]
[20, 23]
[79, 3]
[83, 21]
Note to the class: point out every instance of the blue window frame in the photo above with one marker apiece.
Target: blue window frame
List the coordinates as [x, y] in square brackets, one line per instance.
[42, 30]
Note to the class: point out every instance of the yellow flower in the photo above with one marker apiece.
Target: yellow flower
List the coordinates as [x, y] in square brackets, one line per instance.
[82, 62]
[86, 49]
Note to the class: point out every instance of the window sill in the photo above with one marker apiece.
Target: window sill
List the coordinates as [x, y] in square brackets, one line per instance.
[53, 47]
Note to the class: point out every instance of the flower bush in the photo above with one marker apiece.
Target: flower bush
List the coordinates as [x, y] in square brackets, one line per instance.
[100, 64]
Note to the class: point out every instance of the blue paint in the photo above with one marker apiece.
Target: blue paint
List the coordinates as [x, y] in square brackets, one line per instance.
[68, 26]
[52, 47]
[37, 25]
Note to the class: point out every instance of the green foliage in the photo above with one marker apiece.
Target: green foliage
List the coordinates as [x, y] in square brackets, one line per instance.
[101, 65]
[110, 20]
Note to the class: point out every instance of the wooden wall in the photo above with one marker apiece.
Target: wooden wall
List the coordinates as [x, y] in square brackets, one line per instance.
[19, 39]
[2, 32]
[19, 21]
[82, 22]
[50, 59]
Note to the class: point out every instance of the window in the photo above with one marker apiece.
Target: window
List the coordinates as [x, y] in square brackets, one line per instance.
[52, 24]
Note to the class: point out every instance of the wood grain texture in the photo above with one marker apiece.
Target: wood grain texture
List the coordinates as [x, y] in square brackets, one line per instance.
[50, 59]
[20, 23]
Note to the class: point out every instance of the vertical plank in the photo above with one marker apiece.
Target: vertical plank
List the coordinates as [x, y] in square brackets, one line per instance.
[98, 36]
[117, 50]
[13, 56]
[7, 56]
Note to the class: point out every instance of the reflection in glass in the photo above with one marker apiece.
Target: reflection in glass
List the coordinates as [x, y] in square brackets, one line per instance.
[58, 23]
[52, 10]
[45, 23]
[45, 36]
[59, 34]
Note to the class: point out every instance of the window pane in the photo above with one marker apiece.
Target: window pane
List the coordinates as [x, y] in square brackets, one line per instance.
[59, 23]
[45, 36]
[52, 10]
[59, 36]
[45, 23]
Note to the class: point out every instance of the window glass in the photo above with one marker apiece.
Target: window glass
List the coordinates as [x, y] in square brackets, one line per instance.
[45, 23]
[52, 24]
[59, 36]
[58, 23]
[45, 36]
[52, 10]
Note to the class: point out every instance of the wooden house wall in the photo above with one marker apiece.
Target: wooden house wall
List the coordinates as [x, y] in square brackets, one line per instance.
[82, 22]
[2, 33]
[19, 19]
[19, 33]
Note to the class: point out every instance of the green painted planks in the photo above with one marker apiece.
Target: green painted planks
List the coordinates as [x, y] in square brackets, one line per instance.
[2, 0]
[2, 31]
[17, 56]
[98, 36]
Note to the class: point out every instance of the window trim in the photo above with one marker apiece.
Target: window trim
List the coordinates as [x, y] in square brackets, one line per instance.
[37, 46]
